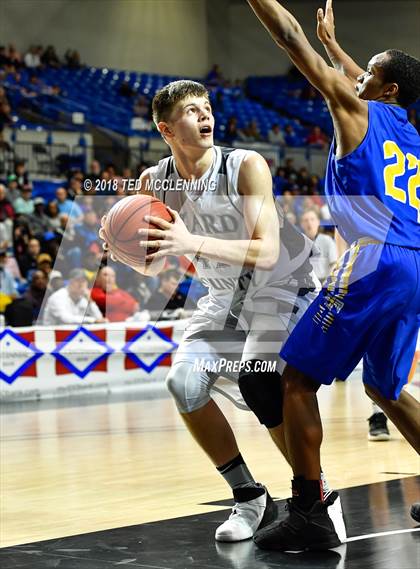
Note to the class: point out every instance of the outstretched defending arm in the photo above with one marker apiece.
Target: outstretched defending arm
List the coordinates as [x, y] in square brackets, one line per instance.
[326, 34]
[349, 113]
[288, 34]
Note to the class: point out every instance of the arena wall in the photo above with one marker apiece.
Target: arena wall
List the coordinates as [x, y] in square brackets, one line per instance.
[160, 36]
[184, 37]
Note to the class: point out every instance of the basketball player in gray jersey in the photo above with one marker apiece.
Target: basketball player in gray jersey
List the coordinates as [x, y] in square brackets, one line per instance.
[259, 280]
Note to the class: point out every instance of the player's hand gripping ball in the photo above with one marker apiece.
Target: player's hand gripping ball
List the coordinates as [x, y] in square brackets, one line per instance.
[120, 227]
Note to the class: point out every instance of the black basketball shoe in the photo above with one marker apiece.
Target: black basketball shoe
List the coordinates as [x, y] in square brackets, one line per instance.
[378, 428]
[300, 531]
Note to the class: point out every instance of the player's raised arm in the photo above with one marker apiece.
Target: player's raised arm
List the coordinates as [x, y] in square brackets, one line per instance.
[288, 34]
[326, 34]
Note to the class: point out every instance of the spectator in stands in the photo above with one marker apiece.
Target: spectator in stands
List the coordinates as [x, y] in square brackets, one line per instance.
[66, 228]
[5, 115]
[251, 133]
[95, 170]
[12, 188]
[55, 283]
[116, 304]
[53, 214]
[91, 262]
[24, 204]
[44, 263]
[231, 132]
[75, 187]
[36, 292]
[141, 287]
[8, 289]
[39, 222]
[111, 169]
[72, 304]
[21, 236]
[289, 167]
[15, 57]
[167, 297]
[141, 107]
[4, 57]
[50, 57]
[127, 173]
[22, 176]
[12, 266]
[32, 58]
[69, 207]
[322, 263]
[317, 139]
[275, 136]
[290, 136]
[279, 181]
[7, 214]
[72, 58]
[85, 234]
[304, 178]
[214, 76]
[287, 201]
[141, 167]
[6, 234]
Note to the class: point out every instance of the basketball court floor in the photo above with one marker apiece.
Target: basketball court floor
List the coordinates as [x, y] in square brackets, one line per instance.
[117, 481]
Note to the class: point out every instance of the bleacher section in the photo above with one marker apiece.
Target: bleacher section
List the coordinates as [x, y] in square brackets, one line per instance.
[287, 96]
[95, 93]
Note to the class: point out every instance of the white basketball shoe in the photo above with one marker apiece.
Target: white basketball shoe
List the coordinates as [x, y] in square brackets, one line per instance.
[247, 517]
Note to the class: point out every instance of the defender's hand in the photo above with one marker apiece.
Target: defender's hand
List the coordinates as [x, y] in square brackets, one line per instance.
[325, 24]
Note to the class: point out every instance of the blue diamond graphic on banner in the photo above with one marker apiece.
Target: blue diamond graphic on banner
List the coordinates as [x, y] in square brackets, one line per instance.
[82, 351]
[149, 347]
[16, 355]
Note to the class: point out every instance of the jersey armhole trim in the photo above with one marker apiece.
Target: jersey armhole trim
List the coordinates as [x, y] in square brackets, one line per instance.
[363, 142]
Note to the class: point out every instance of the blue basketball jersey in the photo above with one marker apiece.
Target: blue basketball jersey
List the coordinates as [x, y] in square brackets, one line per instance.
[374, 191]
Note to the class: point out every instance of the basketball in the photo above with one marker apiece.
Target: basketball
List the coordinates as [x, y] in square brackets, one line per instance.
[126, 217]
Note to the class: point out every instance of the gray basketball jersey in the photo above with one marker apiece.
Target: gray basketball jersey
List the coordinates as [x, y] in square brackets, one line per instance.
[212, 206]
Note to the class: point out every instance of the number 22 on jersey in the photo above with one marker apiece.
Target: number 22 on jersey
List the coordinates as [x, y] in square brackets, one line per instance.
[402, 164]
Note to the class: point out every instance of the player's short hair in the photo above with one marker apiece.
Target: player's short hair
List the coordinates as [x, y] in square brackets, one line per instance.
[403, 69]
[167, 97]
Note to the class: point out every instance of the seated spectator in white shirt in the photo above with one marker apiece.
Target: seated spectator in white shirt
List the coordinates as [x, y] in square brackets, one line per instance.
[24, 204]
[275, 136]
[32, 59]
[72, 304]
[323, 262]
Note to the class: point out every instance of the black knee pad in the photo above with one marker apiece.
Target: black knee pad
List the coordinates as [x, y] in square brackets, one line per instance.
[262, 392]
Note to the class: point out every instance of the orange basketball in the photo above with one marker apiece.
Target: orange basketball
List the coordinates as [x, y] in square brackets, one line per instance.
[124, 220]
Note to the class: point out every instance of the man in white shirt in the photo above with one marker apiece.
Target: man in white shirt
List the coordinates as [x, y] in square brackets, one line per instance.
[275, 136]
[71, 304]
[322, 263]
[32, 59]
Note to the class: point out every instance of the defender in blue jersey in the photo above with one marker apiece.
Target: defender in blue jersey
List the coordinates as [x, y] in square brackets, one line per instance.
[370, 306]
